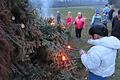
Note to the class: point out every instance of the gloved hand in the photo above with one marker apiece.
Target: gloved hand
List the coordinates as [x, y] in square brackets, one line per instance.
[81, 51]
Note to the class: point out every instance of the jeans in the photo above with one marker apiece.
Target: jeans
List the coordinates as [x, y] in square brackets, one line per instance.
[92, 76]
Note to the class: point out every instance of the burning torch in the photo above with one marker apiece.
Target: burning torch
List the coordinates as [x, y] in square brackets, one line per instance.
[70, 48]
[81, 51]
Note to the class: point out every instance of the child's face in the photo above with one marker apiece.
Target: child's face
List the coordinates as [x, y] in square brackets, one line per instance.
[90, 36]
[95, 36]
[69, 14]
[79, 15]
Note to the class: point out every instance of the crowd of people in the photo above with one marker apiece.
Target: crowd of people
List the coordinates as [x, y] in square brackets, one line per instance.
[79, 22]
[99, 18]
[100, 59]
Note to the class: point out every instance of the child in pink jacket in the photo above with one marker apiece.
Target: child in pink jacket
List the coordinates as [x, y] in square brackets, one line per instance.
[69, 19]
[79, 22]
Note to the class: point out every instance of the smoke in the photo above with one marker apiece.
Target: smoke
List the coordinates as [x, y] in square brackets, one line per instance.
[42, 6]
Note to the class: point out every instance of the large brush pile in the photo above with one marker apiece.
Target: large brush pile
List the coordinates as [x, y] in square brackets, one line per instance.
[28, 44]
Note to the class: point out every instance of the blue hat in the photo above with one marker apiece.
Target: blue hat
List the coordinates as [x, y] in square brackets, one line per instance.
[97, 11]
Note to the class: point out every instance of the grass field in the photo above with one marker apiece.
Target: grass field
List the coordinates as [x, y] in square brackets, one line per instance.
[87, 13]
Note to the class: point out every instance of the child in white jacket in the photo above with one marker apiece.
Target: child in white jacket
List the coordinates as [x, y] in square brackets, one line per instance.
[100, 59]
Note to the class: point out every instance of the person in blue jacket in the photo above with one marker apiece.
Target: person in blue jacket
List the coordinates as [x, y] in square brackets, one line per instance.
[105, 19]
[96, 19]
[106, 9]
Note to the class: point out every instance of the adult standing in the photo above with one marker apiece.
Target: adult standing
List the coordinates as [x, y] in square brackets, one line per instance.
[80, 23]
[111, 13]
[116, 26]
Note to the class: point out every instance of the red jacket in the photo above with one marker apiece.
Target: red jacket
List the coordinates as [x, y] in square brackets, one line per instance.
[79, 22]
[69, 21]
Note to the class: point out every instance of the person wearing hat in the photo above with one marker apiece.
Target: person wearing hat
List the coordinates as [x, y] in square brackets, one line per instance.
[96, 19]
[105, 19]
[106, 9]
[100, 58]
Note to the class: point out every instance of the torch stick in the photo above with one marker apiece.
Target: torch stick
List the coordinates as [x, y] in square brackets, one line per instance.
[75, 49]
[72, 59]
[75, 59]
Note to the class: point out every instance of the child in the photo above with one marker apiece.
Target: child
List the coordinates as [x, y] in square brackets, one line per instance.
[105, 19]
[96, 19]
[100, 59]
[69, 19]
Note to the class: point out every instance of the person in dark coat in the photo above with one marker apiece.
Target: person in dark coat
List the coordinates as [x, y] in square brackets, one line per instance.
[58, 17]
[116, 26]
[111, 14]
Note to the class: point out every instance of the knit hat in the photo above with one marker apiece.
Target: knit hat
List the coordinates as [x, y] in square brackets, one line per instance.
[97, 11]
[98, 29]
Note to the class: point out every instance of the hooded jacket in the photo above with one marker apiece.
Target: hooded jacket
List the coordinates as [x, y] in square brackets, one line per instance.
[96, 19]
[100, 59]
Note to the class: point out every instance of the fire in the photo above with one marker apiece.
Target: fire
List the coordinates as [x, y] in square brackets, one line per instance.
[63, 58]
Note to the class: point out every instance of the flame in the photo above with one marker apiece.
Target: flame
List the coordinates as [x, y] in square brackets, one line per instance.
[63, 58]
[69, 47]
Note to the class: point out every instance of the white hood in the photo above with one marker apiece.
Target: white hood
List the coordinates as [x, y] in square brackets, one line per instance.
[109, 42]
